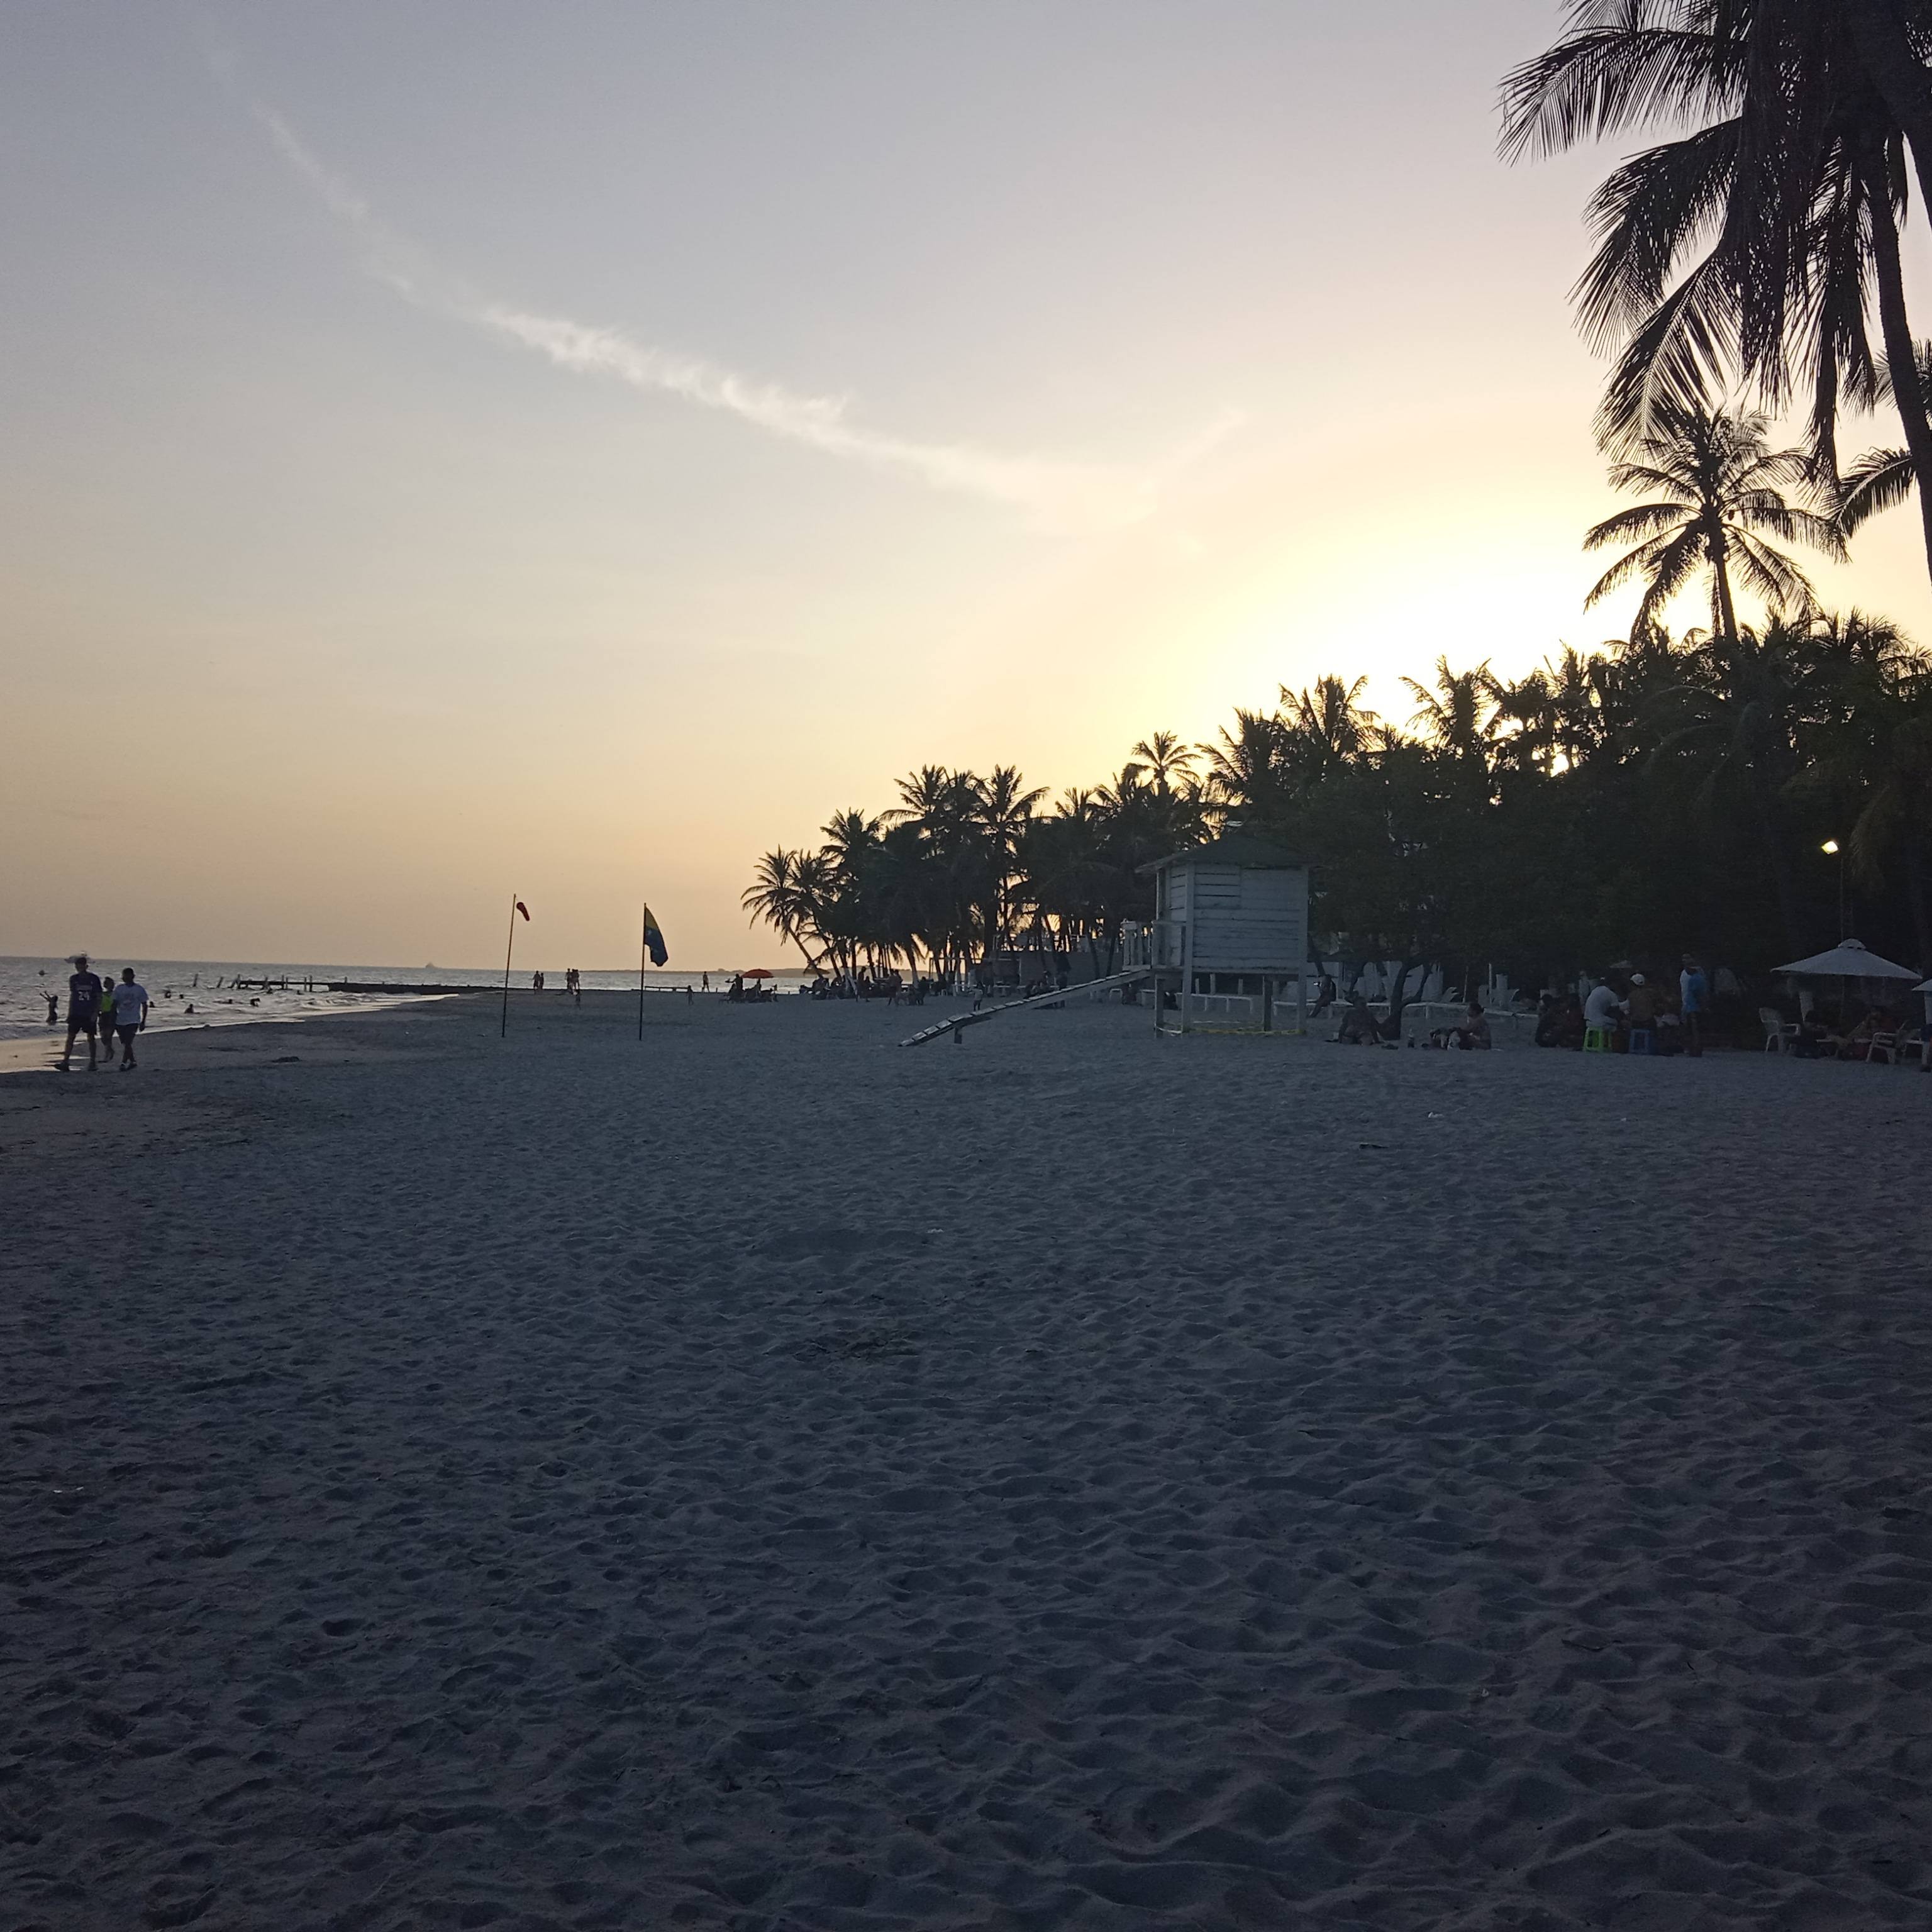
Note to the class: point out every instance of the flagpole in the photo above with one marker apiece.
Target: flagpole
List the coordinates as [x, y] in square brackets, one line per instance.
[503, 1031]
[643, 951]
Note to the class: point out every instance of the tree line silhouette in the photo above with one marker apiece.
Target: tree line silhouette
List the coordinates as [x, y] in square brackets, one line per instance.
[1659, 792]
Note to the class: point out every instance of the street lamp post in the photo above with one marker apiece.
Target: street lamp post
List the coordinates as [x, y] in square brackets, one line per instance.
[1831, 850]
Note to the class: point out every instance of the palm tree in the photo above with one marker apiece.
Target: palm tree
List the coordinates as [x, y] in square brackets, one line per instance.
[770, 896]
[1792, 183]
[1745, 703]
[1326, 727]
[1165, 759]
[1887, 750]
[1460, 714]
[1003, 807]
[784, 893]
[1718, 484]
[1247, 769]
[925, 794]
[1557, 712]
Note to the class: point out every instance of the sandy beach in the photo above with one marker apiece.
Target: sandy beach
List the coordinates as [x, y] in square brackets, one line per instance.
[759, 1478]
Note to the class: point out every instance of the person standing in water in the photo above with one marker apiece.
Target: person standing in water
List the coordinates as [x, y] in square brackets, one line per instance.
[131, 1016]
[83, 1010]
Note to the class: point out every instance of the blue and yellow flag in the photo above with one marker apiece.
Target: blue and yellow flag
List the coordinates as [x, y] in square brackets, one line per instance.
[654, 939]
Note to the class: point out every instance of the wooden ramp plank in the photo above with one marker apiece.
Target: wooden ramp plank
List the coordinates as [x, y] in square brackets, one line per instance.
[1059, 996]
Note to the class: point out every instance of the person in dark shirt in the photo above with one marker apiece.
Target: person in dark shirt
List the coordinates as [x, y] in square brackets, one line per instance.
[83, 1011]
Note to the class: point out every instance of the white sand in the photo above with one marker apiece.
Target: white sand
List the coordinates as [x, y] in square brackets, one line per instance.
[762, 1479]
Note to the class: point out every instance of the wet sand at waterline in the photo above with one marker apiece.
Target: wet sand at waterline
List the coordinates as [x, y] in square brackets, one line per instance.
[759, 1479]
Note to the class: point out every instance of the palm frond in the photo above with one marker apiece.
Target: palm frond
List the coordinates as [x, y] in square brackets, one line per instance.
[1605, 77]
[1641, 520]
[1647, 214]
[1880, 480]
[1674, 567]
[1679, 358]
[1765, 510]
[1770, 575]
[1646, 557]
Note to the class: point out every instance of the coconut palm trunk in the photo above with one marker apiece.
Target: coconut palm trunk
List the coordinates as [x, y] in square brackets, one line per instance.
[1768, 800]
[1900, 359]
[1724, 610]
[1894, 68]
[1916, 898]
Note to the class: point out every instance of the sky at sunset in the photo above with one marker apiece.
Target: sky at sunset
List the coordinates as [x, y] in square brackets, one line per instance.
[457, 445]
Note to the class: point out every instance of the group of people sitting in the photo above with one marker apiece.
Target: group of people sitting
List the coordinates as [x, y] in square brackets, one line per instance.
[1808, 1037]
[888, 983]
[1359, 1026]
[1629, 1012]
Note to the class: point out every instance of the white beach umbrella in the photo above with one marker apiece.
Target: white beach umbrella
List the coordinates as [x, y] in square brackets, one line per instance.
[1848, 960]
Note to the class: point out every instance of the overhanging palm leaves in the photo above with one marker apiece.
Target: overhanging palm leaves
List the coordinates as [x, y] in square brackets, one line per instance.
[1760, 239]
[1881, 479]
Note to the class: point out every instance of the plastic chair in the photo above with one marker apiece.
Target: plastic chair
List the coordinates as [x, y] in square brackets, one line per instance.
[1779, 1032]
[1599, 1039]
[1642, 1040]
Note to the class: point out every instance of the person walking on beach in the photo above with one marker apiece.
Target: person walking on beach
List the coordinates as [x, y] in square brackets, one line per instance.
[130, 1017]
[83, 1010]
[1694, 994]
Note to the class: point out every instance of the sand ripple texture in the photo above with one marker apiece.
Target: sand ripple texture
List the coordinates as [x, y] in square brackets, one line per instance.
[761, 1479]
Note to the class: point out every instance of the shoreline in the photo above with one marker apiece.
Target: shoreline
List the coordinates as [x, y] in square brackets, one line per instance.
[36, 1052]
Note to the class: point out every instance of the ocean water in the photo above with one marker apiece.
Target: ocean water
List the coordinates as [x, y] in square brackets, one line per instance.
[174, 986]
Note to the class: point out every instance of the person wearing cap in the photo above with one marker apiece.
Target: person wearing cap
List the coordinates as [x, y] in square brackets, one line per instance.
[1643, 1006]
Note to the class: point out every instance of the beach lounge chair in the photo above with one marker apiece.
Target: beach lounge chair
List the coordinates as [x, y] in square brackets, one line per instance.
[1779, 1032]
[1884, 1043]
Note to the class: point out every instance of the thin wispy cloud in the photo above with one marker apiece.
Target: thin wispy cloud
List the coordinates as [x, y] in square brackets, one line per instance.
[1052, 490]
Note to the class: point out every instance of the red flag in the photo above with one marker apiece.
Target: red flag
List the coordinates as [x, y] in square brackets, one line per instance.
[524, 909]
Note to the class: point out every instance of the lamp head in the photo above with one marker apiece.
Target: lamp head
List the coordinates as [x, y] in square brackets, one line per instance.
[1830, 847]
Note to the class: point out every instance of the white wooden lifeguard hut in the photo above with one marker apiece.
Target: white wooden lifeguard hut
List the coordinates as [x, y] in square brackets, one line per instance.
[1229, 938]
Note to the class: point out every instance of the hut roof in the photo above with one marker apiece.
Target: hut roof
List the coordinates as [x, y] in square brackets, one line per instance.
[1233, 848]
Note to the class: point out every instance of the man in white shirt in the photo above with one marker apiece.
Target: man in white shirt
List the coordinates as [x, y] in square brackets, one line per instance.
[1603, 1009]
[130, 1014]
